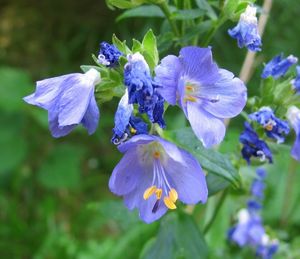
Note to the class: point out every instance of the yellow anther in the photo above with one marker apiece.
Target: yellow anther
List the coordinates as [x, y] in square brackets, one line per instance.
[189, 88]
[269, 127]
[169, 203]
[132, 130]
[173, 195]
[156, 154]
[149, 191]
[190, 98]
[158, 193]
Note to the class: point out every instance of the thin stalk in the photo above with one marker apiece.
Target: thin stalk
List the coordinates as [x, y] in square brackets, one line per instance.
[165, 9]
[213, 30]
[217, 209]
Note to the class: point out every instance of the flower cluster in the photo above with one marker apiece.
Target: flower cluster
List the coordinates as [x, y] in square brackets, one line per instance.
[253, 145]
[154, 173]
[275, 128]
[249, 231]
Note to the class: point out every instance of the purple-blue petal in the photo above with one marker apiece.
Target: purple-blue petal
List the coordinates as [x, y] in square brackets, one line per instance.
[91, 117]
[47, 91]
[166, 75]
[198, 65]
[188, 179]
[230, 92]
[127, 174]
[209, 129]
[74, 100]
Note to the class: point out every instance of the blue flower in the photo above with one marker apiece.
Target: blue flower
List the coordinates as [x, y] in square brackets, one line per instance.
[207, 94]
[249, 229]
[278, 66]
[296, 82]
[293, 115]
[253, 146]
[142, 90]
[261, 173]
[246, 31]
[253, 206]
[125, 123]
[153, 174]
[257, 188]
[274, 127]
[69, 100]
[109, 55]
[267, 248]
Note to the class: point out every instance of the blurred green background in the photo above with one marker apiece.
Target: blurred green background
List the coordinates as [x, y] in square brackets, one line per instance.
[54, 198]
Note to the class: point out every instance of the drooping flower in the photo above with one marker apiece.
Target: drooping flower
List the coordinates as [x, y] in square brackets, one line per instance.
[278, 66]
[267, 248]
[109, 55]
[293, 115]
[69, 100]
[153, 174]
[249, 229]
[142, 90]
[246, 31]
[274, 127]
[206, 93]
[296, 82]
[253, 146]
[125, 123]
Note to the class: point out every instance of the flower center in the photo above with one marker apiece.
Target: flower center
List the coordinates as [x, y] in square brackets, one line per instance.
[160, 186]
[192, 93]
[270, 124]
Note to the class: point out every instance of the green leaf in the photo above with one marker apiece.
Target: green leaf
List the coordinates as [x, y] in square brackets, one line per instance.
[188, 14]
[204, 5]
[122, 4]
[230, 7]
[62, 167]
[150, 49]
[215, 184]
[136, 46]
[141, 11]
[178, 237]
[13, 147]
[211, 160]
[121, 45]
[15, 84]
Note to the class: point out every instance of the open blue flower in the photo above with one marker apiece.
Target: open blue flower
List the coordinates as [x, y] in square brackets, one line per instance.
[142, 90]
[293, 115]
[296, 82]
[274, 127]
[253, 146]
[278, 66]
[125, 123]
[267, 248]
[109, 55]
[207, 94]
[249, 229]
[153, 174]
[69, 100]
[246, 31]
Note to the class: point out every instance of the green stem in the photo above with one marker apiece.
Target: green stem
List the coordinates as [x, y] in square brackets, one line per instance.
[213, 30]
[165, 9]
[217, 209]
